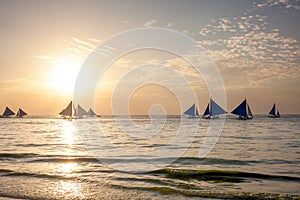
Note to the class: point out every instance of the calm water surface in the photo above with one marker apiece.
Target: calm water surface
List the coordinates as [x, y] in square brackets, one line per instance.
[44, 158]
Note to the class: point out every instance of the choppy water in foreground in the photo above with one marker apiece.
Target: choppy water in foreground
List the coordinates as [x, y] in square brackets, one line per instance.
[44, 158]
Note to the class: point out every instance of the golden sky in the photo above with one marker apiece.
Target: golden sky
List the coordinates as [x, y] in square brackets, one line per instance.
[255, 46]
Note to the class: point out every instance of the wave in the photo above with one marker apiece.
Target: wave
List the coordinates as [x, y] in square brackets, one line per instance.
[219, 175]
[209, 194]
[5, 172]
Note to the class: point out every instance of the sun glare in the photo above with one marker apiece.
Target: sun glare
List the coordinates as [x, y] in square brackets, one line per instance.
[64, 75]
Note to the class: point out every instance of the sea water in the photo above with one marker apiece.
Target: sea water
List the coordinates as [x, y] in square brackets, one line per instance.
[49, 158]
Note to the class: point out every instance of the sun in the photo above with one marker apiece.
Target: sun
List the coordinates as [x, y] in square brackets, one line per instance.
[64, 74]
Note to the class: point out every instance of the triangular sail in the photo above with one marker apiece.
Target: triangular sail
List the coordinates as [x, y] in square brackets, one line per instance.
[190, 111]
[67, 111]
[241, 110]
[197, 113]
[91, 112]
[80, 111]
[278, 114]
[273, 111]
[215, 109]
[206, 112]
[249, 111]
[8, 112]
[21, 113]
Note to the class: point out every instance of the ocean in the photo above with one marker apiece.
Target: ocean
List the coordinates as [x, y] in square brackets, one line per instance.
[53, 158]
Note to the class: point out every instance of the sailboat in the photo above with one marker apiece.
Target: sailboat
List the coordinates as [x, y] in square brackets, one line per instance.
[192, 112]
[243, 111]
[80, 112]
[213, 110]
[67, 112]
[91, 113]
[21, 113]
[8, 112]
[274, 113]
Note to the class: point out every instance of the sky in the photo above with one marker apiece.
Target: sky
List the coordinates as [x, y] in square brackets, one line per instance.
[254, 44]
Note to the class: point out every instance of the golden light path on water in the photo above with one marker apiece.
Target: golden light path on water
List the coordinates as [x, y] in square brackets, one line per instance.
[72, 189]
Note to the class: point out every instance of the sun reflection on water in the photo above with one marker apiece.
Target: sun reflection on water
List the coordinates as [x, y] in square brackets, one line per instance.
[70, 189]
[68, 130]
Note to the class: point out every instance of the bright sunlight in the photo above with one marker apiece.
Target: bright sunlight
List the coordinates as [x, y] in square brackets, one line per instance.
[64, 74]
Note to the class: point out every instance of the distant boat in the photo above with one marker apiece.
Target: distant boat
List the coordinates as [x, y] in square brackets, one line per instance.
[21, 113]
[8, 112]
[274, 113]
[213, 110]
[80, 112]
[91, 113]
[67, 112]
[192, 112]
[243, 111]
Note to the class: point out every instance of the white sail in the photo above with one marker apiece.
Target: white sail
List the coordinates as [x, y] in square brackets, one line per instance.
[79, 111]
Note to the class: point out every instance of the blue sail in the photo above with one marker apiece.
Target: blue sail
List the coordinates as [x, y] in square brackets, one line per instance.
[190, 111]
[216, 109]
[206, 112]
[8, 112]
[241, 110]
[273, 111]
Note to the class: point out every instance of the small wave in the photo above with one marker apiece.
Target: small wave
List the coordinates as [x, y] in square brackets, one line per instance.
[209, 194]
[219, 175]
[5, 172]
[17, 155]
[67, 159]
[210, 161]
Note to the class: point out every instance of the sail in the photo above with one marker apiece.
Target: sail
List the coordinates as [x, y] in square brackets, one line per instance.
[273, 111]
[278, 115]
[249, 111]
[197, 113]
[206, 112]
[67, 111]
[91, 112]
[241, 110]
[21, 113]
[8, 112]
[216, 109]
[79, 111]
[190, 111]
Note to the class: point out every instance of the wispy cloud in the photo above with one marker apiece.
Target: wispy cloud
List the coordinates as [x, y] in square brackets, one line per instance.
[249, 45]
[150, 23]
[286, 4]
[44, 57]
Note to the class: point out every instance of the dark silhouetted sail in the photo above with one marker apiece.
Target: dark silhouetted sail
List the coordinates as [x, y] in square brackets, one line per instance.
[206, 112]
[21, 113]
[67, 111]
[213, 109]
[243, 111]
[274, 113]
[8, 112]
[192, 111]
[91, 112]
[79, 111]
